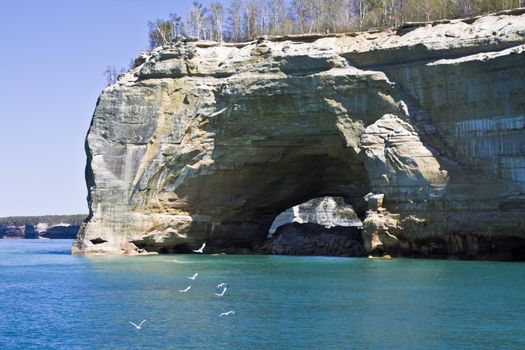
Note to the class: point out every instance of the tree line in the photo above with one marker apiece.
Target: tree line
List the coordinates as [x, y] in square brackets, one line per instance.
[48, 219]
[247, 19]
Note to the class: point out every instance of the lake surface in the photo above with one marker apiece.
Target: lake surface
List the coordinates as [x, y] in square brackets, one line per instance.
[52, 300]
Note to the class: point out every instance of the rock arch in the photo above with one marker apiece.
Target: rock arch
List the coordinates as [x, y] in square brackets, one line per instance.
[249, 148]
[206, 141]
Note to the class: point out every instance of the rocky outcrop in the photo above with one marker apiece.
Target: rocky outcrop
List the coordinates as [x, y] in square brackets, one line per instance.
[324, 211]
[421, 129]
[60, 231]
[314, 239]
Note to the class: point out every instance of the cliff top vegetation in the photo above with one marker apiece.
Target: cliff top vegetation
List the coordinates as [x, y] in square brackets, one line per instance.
[247, 19]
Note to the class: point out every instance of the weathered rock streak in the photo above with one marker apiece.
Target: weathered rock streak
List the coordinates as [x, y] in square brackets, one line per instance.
[421, 129]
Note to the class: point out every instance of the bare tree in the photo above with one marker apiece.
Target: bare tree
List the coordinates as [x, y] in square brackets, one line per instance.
[160, 32]
[177, 25]
[234, 20]
[196, 20]
[361, 12]
[332, 11]
[250, 11]
[262, 17]
[245, 19]
[112, 74]
[277, 13]
[217, 20]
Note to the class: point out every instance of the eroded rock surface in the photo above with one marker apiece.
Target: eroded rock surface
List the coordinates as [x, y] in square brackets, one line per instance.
[324, 211]
[210, 142]
[314, 239]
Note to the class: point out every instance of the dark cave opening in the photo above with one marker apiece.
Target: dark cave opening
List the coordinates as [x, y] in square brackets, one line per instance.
[98, 240]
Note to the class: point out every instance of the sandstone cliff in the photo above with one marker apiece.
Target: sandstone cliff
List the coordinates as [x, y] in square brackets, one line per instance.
[421, 129]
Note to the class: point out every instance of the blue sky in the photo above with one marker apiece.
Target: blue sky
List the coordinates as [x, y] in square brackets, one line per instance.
[53, 56]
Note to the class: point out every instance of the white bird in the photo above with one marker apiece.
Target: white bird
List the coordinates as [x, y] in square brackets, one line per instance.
[223, 291]
[201, 249]
[184, 290]
[220, 285]
[194, 276]
[139, 326]
[227, 313]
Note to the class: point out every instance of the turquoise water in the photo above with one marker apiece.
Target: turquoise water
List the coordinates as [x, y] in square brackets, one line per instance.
[51, 300]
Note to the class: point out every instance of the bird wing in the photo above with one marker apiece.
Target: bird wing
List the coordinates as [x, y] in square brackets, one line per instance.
[133, 324]
[142, 322]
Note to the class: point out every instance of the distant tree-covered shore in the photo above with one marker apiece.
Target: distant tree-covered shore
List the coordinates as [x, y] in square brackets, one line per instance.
[75, 220]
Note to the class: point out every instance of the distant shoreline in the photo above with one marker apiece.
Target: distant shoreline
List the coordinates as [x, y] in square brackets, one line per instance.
[41, 226]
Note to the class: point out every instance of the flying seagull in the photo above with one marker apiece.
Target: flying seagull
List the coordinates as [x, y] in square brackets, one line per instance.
[194, 276]
[223, 291]
[220, 285]
[201, 249]
[227, 313]
[139, 326]
[184, 290]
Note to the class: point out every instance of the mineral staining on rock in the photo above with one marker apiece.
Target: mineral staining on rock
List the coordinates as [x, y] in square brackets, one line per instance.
[420, 129]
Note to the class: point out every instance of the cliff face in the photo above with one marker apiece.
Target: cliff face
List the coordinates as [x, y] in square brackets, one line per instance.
[421, 129]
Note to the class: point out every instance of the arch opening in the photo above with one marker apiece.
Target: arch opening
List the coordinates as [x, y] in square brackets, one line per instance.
[259, 155]
[238, 206]
[325, 226]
